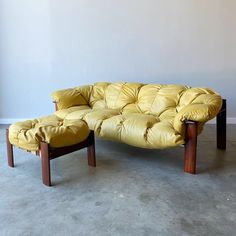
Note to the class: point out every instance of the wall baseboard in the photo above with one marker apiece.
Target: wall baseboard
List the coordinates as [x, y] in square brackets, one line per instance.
[230, 120]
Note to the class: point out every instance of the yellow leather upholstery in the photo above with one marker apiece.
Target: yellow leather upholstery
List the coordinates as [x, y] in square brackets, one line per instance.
[76, 112]
[72, 97]
[95, 118]
[51, 129]
[97, 96]
[143, 115]
[139, 130]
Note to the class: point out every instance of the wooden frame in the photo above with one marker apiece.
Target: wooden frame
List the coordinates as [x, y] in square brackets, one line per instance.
[191, 131]
[56, 105]
[221, 128]
[190, 154]
[47, 153]
[9, 150]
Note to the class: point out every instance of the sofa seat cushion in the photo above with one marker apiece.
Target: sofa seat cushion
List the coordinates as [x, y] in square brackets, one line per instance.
[77, 112]
[137, 129]
[95, 118]
[140, 130]
[51, 129]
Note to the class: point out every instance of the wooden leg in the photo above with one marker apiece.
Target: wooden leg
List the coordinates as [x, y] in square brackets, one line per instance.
[91, 150]
[190, 147]
[45, 159]
[221, 127]
[9, 150]
[56, 105]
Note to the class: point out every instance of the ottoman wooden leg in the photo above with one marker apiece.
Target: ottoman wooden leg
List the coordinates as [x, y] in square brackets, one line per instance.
[45, 159]
[9, 150]
[91, 150]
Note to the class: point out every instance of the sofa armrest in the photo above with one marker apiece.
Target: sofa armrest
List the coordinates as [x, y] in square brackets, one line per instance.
[200, 113]
[71, 97]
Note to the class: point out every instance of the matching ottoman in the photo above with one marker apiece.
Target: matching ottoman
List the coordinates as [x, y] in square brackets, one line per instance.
[50, 137]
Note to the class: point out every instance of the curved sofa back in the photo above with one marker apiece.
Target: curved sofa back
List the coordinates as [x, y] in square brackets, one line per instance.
[157, 99]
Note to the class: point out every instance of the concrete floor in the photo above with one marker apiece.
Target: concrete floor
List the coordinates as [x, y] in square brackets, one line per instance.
[132, 191]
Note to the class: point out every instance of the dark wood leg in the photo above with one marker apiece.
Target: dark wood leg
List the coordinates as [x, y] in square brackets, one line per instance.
[9, 150]
[56, 105]
[190, 147]
[221, 127]
[45, 159]
[91, 150]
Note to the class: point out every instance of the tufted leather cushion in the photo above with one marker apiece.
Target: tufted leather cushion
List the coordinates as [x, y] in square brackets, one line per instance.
[72, 97]
[51, 129]
[144, 115]
[119, 95]
[140, 130]
[76, 112]
[95, 118]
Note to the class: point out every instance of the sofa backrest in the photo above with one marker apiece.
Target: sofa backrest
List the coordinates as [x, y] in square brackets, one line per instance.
[157, 99]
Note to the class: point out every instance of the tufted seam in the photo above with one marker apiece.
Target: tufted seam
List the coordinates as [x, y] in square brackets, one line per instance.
[93, 88]
[181, 94]
[82, 95]
[136, 99]
[146, 135]
[100, 98]
[90, 94]
[195, 98]
[122, 86]
[154, 99]
[149, 127]
[135, 102]
[167, 109]
[100, 122]
[122, 126]
[197, 95]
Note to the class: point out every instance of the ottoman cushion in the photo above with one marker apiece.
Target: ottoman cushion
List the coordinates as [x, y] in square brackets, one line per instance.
[51, 129]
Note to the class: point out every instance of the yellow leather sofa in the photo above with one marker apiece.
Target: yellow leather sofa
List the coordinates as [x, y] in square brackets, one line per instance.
[143, 115]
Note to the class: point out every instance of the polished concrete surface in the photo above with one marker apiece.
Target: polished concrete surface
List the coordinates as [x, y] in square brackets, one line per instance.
[132, 191]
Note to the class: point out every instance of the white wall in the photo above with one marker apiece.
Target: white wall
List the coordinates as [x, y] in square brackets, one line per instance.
[50, 44]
